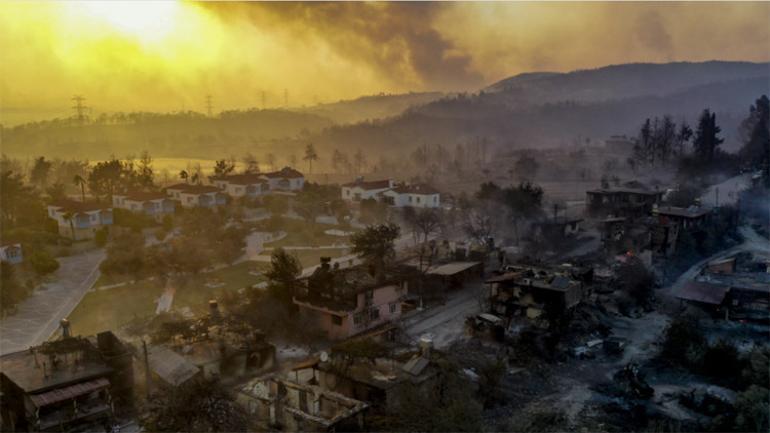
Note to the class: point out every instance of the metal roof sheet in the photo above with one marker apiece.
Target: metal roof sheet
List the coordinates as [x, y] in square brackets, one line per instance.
[68, 392]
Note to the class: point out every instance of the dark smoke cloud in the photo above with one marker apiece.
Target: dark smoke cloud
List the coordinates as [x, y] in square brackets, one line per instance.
[652, 33]
[398, 39]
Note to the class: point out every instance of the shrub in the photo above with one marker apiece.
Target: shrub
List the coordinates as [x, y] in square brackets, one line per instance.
[721, 360]
[100, 238]
[42, 262]
[683, 342]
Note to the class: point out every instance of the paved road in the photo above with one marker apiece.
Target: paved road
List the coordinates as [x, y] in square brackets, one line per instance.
[38, 316]
[445, 323]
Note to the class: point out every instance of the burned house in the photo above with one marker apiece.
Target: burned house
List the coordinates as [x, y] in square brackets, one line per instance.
[531, 292]
[381, 381]
[630, 200]
[738, 296]
[277, 403]
[213, 346]
[556, 229]
[346, 302]
[73, 383]
[454, 275]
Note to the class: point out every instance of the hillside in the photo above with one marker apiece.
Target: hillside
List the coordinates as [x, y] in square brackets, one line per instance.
[620, 81]
[371, 107]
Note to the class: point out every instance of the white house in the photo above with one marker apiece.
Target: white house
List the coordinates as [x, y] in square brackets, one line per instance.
[154, 204]
[11, 253]
[242, 185]
[362, 190]
[414, 195]
[285, 179]
[196, 195]
[80, 220]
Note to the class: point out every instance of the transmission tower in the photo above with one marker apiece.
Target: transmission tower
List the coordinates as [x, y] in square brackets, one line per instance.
[79, 107]
[209, 105]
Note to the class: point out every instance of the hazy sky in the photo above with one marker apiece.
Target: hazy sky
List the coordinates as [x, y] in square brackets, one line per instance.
[165, 56]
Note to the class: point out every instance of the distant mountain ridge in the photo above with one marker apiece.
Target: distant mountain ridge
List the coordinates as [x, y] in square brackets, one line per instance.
[620, 81]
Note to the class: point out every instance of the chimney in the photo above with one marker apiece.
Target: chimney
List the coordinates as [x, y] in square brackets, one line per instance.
[214, 309]
[426, 345]
[65, 328]
[325, 261]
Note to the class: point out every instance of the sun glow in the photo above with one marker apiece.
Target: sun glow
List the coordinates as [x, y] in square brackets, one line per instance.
[147, 21]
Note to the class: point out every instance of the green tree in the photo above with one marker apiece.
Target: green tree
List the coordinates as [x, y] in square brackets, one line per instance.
[184, 176]
[223, 167]
[376, 245]
[310, 156]
[42, 262]
[56, 192]
[40, 171]
[707, 140]
[107, 178]
[282, 276]
[80, 182]
[11, 290]
[751, 408]
[756, 130]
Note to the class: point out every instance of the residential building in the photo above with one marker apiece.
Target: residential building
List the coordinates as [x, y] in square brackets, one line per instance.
[154, 204]
[189, 195]
[346, 302]
[78, 220]
[71, 384]
[532, 292]
[11, 253]
[250, 185]
[685, 218]
[381, 382]
[285, 179]
[363, 190]
[739, 295]
[277, 403]
[417, 195]
[630, 200]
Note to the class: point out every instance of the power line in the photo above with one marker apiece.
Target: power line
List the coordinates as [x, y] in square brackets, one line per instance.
[79, 107]
[209, 105]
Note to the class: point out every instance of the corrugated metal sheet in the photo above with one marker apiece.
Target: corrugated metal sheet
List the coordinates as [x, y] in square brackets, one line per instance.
[69, 392]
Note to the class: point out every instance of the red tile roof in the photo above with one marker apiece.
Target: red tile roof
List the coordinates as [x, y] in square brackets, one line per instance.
[77, 206]
[194, 189]
[143, 195]
[286, 172]
[417, 188]
[369, 185]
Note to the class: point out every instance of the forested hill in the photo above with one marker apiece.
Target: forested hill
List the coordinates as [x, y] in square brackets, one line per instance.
[621, 81]
[372, 107]
[186, 134]
[465, 118]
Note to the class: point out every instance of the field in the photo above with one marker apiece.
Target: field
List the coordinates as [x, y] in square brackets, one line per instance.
[110, 309]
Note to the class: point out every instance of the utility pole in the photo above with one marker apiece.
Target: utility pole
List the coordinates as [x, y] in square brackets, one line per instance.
[79, 107]
[209, 105]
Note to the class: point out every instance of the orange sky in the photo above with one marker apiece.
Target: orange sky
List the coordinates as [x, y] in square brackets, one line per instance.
[165, 56]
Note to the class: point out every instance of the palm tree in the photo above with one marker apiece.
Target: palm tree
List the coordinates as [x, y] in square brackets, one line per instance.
[70, 217]
[79, 181]
[184, 175]
[310, 156]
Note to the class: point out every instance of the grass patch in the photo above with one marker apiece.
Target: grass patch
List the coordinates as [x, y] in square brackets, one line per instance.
[313, 257]
[112, 308]
[302, 233]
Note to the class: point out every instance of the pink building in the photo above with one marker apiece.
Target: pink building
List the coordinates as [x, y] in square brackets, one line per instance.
[350, 301]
